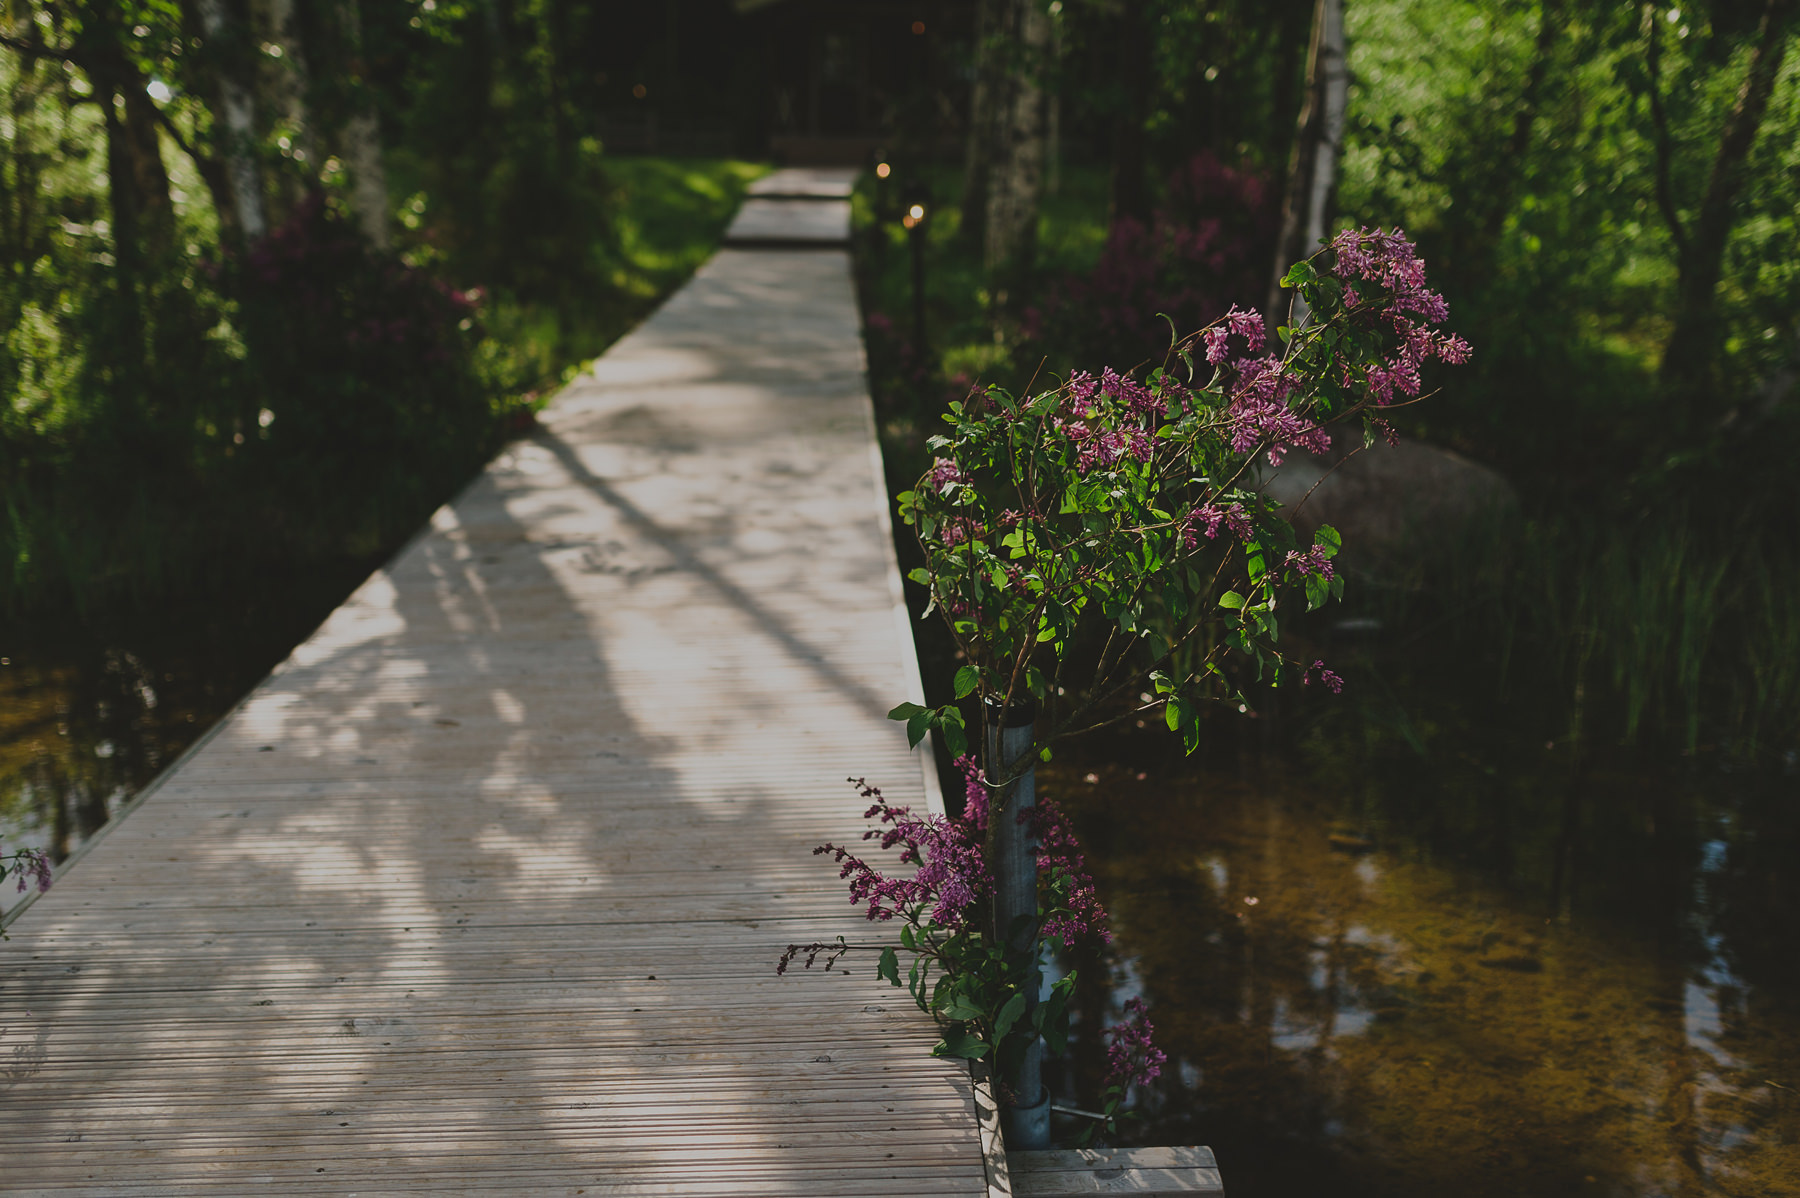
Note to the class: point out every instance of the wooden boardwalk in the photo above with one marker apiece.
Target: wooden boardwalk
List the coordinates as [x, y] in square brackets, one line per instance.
[483, 889]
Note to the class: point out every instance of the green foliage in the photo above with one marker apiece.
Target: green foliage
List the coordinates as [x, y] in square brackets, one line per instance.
[1660, 633]
[1071, 538]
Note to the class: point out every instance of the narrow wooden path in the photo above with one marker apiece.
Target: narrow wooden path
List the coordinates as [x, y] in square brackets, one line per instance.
[482, 891]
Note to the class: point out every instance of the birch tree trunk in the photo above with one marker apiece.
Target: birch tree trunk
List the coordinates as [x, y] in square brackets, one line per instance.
[283, 80]
[1312, 170]
[362, 137]
[1016, 163]
[237, 121]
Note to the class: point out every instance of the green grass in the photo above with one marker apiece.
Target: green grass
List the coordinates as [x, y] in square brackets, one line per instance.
[96, 533]
[666, 217]
[960, 324]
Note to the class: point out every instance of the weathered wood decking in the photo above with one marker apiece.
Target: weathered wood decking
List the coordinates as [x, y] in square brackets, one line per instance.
[483, 889]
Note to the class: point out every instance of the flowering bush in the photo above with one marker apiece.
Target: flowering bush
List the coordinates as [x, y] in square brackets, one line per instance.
[1100, 536]
[955, 971]
[30, 866]
[1109, 531]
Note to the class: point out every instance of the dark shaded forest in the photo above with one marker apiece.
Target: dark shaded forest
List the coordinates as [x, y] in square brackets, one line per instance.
[277, 275]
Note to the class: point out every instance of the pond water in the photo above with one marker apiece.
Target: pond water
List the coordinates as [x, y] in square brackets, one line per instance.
[1487, 970]
[87, 721]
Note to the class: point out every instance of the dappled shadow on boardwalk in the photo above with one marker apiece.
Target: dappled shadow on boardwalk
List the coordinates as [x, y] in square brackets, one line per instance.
[483, 890]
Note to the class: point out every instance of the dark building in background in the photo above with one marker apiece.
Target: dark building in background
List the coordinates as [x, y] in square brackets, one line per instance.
[801, 81]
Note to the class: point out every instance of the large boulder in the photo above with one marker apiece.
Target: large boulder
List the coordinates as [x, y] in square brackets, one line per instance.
[1391, 503]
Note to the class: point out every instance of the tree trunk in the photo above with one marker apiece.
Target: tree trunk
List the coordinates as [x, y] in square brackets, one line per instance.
[156, 213]
[1016, 167]
[236, 134]
[1498, 200]
[362, 137]
[1688, 360]
[121, 182]
[979, 147]
[283, 81]
[1312, 169]
[1130, 189]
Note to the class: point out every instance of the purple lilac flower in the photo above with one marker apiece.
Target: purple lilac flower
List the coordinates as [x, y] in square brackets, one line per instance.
[951, 872]
[945, 473]
[956, 531]
[1232, 516]
[1082, 386]
[34, 864]
[1136, 397]
[1059, 854]
[1132, 1059]
[1390, 261]
[1311, 561]
[976, 797]
[1248, 325]
[1331, 681]
[1259, 412]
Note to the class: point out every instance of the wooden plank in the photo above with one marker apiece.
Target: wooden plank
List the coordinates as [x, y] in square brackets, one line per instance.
[806, 182]
[483, 889]
[1145, 1172]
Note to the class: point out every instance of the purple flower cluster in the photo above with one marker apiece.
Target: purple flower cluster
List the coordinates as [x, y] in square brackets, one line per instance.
[1247, 325]
[1078, 912]
[958, 530]
[31, 864]
[1211, 515]
[1136, 399]
[1108, 419]
[1391, 262]
[945, 474]
[951, 875]
[1131, 1058]
[1259, 412]
[1331, 681]
[1310, 561]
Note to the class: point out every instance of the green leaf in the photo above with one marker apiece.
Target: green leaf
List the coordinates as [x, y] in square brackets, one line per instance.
[1299, 273]
[961, 1044]
[889, 967]
[905, 711]
[1009, 1015]
[920, 575]
[956, 738]
[1230, 599]
[961, 1009]
[917, 727]
[967, 679]
[1328, 537]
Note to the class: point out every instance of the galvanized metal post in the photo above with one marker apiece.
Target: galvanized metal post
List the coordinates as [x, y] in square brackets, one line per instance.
[1026, 1123]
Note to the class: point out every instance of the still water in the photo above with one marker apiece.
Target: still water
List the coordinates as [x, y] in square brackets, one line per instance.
[1482, 971]
[86, 722]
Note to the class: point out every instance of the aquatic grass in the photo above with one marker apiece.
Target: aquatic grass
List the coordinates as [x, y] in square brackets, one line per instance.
[1660, 631]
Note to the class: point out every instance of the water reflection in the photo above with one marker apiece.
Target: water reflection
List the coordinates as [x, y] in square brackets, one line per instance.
[1530, 984]
[87, 721]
